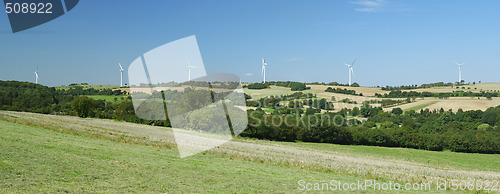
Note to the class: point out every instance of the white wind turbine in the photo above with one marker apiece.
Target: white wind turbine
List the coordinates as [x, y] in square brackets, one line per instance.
[121, 73]
[189, 69]
[459, 72]
[36, 75]
[351, 71]
[264, 64]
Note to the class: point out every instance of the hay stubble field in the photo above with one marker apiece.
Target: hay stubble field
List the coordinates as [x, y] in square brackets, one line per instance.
[454, 103]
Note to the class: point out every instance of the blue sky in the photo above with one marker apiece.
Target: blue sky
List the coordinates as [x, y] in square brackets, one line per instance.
[395, 42]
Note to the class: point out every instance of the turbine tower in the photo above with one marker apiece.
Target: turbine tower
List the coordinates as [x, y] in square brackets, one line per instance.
[189, 69]
[459, 72]
[351, 71]
[264, 64]
[121, 73]
[36, 75]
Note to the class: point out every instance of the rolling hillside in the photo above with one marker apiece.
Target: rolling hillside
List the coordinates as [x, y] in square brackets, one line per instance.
[48, 153]
[432, 103]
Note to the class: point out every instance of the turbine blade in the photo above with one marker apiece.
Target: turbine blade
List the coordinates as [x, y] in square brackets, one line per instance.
[354, 62]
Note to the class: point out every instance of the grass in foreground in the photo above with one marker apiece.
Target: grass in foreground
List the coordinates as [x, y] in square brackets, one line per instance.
[35, 159]
[62, 153]
[474, 161]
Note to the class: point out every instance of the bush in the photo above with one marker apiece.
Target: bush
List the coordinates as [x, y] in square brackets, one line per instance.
[257, 86]
[483, 127]
[295, 86]
[397, 111]
[83, 106]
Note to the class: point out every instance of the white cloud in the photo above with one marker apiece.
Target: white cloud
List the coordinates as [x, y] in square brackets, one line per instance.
[248, 74]
[369, 5]
[366, 9]
[292, 59]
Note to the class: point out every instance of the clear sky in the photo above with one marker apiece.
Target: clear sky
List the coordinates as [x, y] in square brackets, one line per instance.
[395, 42]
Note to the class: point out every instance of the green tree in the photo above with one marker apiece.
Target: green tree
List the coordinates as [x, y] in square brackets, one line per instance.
[310, 111]
[296, 86]
[397, 111]
[489, 96]
[257, 86]
[355, 111]
[83, 106]
[125, 110]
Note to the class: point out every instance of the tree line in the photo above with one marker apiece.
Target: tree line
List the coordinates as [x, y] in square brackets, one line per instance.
[471, 131]
[412, 94]
[342, 91]
[294, 86]
[334, 84]
[30, 97]
[411, 87]
[464, 131]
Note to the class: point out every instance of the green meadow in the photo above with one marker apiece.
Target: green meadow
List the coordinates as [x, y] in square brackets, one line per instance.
[34, 159]
[48, 153]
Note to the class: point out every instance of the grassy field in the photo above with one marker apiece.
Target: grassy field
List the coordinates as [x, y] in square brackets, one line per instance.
[36, 159]
[454, 103]
[421, 106]
[485, 86]
[48, 153]
[272, 91]
[470, 87]
[480, 162]
[465, 103]
[109, 98]
[366, 91]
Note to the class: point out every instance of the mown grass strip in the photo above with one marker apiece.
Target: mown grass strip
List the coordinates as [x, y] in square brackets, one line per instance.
[418, 107]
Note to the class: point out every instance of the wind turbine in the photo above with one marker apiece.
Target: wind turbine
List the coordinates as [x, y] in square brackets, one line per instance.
[36, 75]
[121, 73]
[351, 71]
[459, 72]
[264, 64]
[189, 69]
